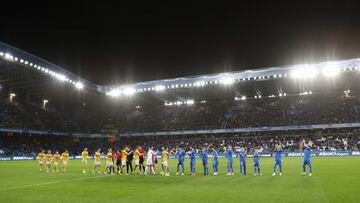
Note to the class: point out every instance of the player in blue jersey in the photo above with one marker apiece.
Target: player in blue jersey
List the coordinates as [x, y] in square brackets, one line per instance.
[205, 160]
[180, 154]
[215, 161]
[229, 156]
[278, 161]
[242, 156]
[307, 159]
[192, 155]
[256, 164]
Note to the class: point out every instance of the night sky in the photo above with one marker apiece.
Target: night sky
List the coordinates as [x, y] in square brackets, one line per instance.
[120, 43]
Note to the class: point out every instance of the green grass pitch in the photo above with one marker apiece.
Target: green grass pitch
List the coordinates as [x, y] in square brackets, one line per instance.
[335, 179]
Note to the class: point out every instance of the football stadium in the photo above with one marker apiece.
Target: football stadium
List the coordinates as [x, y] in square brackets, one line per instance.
[286, 133]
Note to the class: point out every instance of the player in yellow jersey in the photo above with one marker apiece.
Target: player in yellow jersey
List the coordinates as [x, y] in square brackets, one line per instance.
[84, 157]
[124, 154]
[109, 162]
[48, 159]
[97, 157]
[164, 162]
[65, 160]
[56, 159]
[41, 159]
[137, 159]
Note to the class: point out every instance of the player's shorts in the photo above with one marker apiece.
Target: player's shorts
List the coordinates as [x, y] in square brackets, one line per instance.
[109, 163]
[192, 161]
[149, 162]
[164, 163]
[230, 162]
[41, 162]
[277, 162]
[136, 162]
[48, 162]
[307, 162]
[242, 162]
[123, 162]
[65, 163]
[141, 160]
[56, 163]
[180, 162]
[215, 163]
[205, 161]
[118, 162]
[84, 161]
[256, 164]
[97, 163]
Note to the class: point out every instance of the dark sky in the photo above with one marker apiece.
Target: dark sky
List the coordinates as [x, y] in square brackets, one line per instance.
[120, 43]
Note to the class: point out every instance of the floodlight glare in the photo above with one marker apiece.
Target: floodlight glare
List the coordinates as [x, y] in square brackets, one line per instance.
[243, 98]
[114, 93]
[304, 73]
[159, 88]
[129, 91]
[330, 70]
[79, 85]
[227, 80]
[190, 102]
[9, 57]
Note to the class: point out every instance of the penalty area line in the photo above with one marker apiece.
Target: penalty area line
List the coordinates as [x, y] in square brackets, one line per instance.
[49, 183]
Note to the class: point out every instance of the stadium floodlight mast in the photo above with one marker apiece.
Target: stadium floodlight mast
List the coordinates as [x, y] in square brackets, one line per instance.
[12, 95]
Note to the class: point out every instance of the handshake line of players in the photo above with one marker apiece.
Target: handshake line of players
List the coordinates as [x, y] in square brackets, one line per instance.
[125, 156]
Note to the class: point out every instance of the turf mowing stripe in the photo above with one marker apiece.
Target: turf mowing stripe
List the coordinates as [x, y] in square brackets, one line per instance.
[49, 183]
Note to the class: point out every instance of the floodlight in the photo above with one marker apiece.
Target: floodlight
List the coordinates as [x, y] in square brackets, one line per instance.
[227, 80]
[159, 88]
[243, 98]
[8, 56]
[330, 70]
[79, 85]
[129, 91]
[114, 93]
[190, 102]
[304, 73]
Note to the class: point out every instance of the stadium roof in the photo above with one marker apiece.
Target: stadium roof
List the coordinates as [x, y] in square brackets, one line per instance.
[23, 71]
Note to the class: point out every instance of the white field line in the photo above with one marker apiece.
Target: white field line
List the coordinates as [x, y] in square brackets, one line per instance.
[49, 183]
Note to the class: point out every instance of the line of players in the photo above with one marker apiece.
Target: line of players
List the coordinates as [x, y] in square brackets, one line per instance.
[125, 156]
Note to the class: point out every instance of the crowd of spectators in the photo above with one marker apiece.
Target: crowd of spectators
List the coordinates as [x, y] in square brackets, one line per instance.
[322, 140]
[301, 110]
